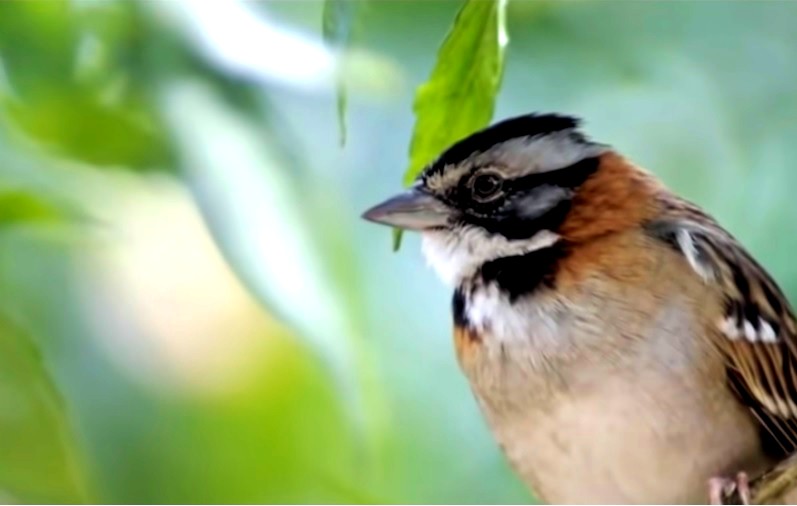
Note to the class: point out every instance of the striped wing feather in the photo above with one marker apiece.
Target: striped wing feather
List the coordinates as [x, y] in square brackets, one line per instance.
[758, 331]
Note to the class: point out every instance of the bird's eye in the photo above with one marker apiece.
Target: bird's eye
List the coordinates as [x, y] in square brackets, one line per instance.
[486, 186]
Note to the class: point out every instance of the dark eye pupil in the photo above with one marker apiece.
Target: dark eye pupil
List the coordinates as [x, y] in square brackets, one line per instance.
[486, 185]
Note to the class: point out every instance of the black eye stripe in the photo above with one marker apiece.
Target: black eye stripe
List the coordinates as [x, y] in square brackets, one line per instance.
[515, 217]
[571, 176]
[502, 215]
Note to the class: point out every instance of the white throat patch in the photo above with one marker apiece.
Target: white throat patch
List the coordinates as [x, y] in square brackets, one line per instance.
[457, 255]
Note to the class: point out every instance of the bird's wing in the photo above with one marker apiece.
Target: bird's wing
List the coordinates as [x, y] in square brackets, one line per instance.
[757, 332]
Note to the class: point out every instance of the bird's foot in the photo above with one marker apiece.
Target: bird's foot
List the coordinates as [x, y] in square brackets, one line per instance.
[721, 489]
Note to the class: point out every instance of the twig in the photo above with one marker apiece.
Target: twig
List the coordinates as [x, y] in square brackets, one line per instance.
[778, 486]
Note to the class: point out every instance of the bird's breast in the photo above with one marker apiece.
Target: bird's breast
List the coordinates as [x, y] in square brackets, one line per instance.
[600, 403]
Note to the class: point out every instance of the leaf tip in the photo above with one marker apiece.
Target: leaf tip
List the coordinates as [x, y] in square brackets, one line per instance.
[397, 233]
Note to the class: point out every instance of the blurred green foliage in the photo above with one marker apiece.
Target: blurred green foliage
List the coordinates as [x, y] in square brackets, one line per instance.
[69, 76]
[38, 461]
[193, 311]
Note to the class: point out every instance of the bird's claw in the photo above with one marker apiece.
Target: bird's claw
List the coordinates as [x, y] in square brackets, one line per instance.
[721, 489]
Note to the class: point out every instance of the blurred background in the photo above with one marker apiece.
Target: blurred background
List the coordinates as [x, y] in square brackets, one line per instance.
[192, 309]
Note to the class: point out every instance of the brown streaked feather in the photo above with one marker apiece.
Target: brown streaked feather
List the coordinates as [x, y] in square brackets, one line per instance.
[757, 331]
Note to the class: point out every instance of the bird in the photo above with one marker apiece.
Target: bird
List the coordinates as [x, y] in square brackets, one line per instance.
[622, 346]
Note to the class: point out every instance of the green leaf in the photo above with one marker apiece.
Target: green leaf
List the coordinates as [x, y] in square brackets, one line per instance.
[37, 459]
[459, 96]
[397, 232]
[338, 26]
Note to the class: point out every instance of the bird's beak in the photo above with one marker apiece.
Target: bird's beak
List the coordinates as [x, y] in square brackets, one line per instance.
[411, 210]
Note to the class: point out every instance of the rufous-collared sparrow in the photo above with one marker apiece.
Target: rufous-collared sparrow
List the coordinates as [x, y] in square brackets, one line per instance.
[623, 347]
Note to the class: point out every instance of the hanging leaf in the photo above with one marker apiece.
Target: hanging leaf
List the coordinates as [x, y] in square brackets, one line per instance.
[459, 96]
[338, 22]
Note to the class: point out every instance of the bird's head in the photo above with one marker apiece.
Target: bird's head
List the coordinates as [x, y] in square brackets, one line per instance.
[501, 192]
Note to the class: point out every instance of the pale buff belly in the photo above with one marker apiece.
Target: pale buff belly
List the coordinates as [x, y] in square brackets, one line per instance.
[626, 443]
